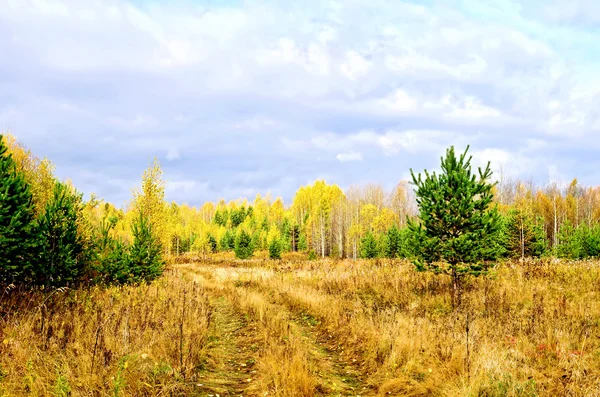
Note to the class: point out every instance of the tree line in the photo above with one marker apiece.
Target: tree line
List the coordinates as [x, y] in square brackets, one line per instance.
[50, 235]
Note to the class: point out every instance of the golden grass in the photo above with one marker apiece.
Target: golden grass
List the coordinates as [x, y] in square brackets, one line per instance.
[533, 328]
[316, 328]
[145, 340]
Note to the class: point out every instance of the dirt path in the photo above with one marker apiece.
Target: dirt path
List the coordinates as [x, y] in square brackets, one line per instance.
[233, 350]
[337, 376]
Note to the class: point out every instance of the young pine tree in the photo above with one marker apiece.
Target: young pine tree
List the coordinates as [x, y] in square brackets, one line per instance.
[523, 236]
[275, 249]
[394, 243]
[145, 255]
[243, 246]
[16, 216]
[227, 242]
[112, 255]
[369, 248]
[458, 227]
[61, 246]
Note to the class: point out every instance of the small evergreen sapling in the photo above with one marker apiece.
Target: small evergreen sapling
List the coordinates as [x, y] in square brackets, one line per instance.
[243, 245]
[145, 255]
[459, 227]
[61, 246]
[275, 249]
[369, 248]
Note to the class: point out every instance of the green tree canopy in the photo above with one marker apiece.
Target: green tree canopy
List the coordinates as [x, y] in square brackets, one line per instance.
[458, 227]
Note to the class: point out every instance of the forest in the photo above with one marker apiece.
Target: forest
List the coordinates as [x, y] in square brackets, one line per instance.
[327, 295]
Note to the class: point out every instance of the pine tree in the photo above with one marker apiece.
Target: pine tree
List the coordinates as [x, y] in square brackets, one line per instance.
[112, 256]
[368, 246]
[237, 216]
[243, 246]
[16, 216]
[275, 249]
[394, 243]
[145, 255]
[227, 242]
[61, 247]
[523, 237]
[458, 226]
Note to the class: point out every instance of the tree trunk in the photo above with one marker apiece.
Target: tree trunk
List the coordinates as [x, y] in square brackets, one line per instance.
[456, 289]
[322, 237]
[522, 239]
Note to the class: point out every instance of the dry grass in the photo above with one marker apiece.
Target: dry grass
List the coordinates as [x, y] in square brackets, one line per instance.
[533, 328]
[311, 328]
[144, 340]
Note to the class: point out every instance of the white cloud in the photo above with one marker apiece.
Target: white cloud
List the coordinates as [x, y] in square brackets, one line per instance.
[355, 66]
[333, 79]
[346, 157]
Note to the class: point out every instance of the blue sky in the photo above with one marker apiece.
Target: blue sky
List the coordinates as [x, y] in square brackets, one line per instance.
[243, 97]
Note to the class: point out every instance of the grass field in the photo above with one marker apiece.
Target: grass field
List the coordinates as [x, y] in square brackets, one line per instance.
[309, 328]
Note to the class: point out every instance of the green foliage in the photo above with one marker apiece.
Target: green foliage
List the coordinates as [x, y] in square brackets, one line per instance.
[275, 249]
[221, 217]
[238, 216]
[458, 230]
[312, 255]
[368, 246]
[227, 242]
[145, 255]
[113, 256]
[16, 216]
[397, 245]
[61, 251]
[61, 388]
[256, 240]
[243, 245]
[212, 243]
[523, 236]
[578, 243]
[302, 244]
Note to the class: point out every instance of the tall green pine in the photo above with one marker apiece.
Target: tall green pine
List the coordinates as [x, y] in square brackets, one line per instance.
[61, 249]
[16, 216]
[458, 228]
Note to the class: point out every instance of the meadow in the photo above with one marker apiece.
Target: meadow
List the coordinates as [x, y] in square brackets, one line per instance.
[217, 326]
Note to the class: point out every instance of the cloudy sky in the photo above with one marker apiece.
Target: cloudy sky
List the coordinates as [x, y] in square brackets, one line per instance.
[241, 97]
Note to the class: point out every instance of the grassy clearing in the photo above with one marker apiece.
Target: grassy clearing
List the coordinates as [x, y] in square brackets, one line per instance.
[533, 328]
[299, 328]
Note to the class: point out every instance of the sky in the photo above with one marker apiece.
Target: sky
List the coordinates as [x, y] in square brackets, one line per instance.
[238, 97]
